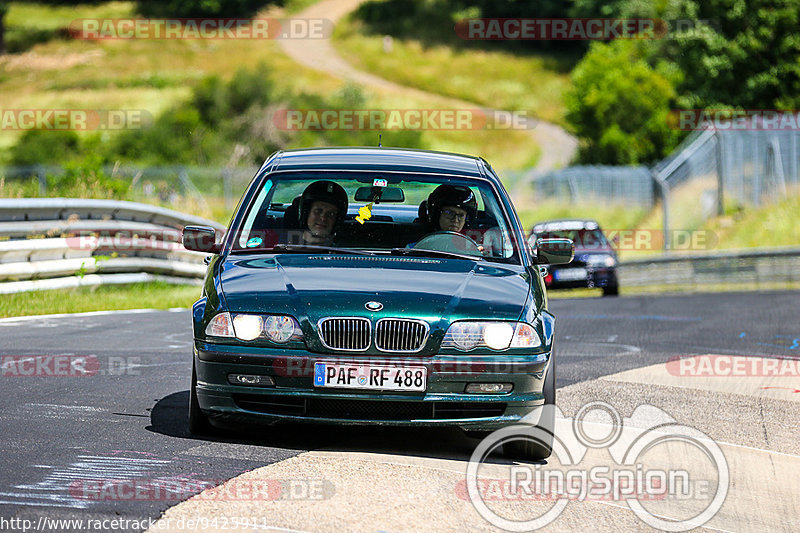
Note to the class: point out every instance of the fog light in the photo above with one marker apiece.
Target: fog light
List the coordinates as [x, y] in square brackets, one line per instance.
[489, 388]
[251, 380]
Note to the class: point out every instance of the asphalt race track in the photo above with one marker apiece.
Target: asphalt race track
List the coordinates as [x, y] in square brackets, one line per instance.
[126, 420]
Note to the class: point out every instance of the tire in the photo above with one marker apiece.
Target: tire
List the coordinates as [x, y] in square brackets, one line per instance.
[611, 290]
[198, 422]
[541, 448]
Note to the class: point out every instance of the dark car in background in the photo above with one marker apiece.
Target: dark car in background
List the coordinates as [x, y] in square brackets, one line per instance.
[394, 321]
[595, 262]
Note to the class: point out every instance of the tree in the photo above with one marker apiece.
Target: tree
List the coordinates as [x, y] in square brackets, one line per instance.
[3, 11]
[195, 9]
[619, 105]
[4, 7]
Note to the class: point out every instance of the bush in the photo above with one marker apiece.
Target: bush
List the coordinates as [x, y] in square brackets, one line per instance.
[42, 147]
[85, 178]
[619, 105]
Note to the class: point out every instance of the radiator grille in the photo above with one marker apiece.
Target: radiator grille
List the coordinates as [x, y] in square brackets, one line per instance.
[347, 333]
[400, 335]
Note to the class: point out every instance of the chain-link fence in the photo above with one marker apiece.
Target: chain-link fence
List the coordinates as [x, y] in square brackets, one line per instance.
[712, 172]
[628, 185]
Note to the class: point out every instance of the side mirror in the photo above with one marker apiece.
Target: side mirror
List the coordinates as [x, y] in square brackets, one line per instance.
[201, 239]
[554, 251]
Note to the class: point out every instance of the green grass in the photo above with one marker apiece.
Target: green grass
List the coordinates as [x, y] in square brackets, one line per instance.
[498, 79]
[41, 17]
[154, 75]
[610, 216]
[767, 226]
[776, 224]
[153, 295]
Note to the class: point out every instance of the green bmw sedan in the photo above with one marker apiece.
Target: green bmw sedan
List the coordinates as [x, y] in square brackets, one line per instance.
[374, 286]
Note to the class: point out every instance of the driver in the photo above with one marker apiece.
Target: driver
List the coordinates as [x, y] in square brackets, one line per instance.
[322, 210]
[451, 208]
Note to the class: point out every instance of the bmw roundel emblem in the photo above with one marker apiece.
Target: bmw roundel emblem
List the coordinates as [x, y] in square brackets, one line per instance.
[373, 306]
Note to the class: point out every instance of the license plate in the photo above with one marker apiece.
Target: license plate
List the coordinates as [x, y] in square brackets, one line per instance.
[370, 377]
[570, 274]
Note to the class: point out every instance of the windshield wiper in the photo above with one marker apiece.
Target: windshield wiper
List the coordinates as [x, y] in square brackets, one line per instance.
[436, 253]
[315, 248]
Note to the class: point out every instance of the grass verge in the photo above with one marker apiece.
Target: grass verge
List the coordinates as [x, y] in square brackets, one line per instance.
[497, 79]
[153, 295]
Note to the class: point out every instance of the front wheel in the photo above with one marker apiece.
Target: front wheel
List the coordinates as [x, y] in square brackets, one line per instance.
[611, 290]
[198, 422]
[539, 445]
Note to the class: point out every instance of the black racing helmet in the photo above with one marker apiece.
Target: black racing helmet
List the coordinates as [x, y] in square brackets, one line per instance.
[451, 195]
[323, 191]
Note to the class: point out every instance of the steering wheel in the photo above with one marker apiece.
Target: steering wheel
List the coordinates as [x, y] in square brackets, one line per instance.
[450, 241]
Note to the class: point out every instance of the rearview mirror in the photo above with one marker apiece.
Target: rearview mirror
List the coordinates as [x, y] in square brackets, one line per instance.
[554, 251]
[379, 194]
[201, 239]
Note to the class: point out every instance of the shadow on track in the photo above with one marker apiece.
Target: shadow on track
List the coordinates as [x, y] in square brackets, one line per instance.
[170, 417]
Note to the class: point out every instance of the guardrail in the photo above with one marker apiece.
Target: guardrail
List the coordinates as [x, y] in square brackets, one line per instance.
[51, 243]
[760, 266]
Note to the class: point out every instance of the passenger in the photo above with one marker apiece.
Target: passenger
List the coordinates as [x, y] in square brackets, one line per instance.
[322, 210]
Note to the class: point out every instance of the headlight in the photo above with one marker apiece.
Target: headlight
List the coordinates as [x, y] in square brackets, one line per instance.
[276, 328]
[220, 326]
[600, 260]
[498, 335]
[247, 327]
[282, 329]
[467, 335]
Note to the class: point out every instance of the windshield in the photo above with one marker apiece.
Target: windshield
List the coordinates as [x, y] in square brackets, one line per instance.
[352, 213]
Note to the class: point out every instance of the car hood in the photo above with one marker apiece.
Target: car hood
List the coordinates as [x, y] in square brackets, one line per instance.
[314, 287]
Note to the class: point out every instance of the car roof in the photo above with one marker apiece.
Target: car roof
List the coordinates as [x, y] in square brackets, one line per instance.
[379, 159]
[568, 224]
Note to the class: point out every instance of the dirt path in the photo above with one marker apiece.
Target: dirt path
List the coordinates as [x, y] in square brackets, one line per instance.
[558, 146]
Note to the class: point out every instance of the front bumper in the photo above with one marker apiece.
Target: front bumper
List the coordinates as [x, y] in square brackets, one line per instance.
[294, 398]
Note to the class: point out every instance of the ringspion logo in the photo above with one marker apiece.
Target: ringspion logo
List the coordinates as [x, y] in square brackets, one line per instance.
[671, 476]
